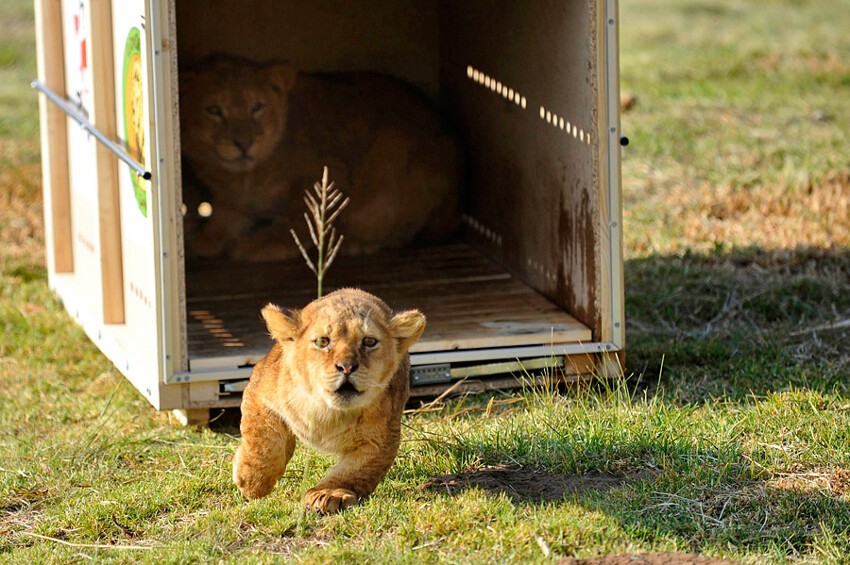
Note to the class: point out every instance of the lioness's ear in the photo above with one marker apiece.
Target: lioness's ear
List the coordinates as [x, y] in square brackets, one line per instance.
[281, 76]
[281, 326]
[406, 327]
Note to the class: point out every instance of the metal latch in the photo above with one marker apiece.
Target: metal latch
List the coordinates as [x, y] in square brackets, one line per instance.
[430, 374]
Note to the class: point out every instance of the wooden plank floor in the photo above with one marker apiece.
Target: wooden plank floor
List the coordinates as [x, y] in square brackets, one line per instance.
[470, 302]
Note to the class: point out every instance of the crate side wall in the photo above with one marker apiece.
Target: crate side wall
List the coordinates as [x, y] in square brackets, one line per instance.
[525, 91]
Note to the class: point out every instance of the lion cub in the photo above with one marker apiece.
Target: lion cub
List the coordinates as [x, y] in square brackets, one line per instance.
[337, 378]
[257, 135]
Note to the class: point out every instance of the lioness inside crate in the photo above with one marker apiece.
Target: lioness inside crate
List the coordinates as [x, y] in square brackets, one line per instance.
[254, 135]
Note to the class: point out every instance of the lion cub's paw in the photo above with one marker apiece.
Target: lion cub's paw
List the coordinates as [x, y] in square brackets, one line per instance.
[255, 486]
[253, 483]
[326, 501]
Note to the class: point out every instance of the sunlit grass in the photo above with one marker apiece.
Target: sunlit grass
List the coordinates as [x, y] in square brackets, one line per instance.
[738, 132]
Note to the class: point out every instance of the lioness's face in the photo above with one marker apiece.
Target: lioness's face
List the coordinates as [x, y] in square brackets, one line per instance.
[234, 114]
[346, 347]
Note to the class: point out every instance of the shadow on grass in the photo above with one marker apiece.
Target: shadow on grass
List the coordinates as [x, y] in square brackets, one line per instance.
[784, 516]
[714, 460]
[525, 485]
[733, 324]
[225, 421]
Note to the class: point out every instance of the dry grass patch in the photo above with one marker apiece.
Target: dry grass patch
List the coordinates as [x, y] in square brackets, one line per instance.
[21, 216]
[664, 558]
[816, 63]
[827, 482]
[772, 217]
[769, 217]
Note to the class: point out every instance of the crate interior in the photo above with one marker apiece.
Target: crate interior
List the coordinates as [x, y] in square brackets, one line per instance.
[519, 85]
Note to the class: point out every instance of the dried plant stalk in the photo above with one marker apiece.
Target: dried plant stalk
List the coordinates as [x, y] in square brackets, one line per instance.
[324, 206]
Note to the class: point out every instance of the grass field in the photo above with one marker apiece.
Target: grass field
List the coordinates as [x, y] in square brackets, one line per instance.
[731, 437]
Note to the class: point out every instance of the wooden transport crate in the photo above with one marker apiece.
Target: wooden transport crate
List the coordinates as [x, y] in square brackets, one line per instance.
[534, 280]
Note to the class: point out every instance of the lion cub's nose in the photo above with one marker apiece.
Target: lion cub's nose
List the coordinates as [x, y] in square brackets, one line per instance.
[347, 367]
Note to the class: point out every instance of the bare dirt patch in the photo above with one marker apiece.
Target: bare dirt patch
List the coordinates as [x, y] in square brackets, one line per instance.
[648, 559]
[529, 485]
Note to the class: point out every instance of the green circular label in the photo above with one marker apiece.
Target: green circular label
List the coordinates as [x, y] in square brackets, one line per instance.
[134, 113]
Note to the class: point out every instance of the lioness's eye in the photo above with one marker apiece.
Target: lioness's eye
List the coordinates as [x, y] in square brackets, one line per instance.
[214, 110]
[321, 342]
[369, 342]
[257, 108]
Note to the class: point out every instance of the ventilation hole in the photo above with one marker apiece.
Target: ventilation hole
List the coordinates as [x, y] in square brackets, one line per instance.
[495, 86]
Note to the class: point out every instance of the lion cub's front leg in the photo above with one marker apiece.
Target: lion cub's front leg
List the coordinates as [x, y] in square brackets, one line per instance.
[266, 448]
[355, 475]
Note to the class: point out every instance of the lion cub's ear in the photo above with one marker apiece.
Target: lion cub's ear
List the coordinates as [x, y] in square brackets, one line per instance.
[281, 76]
[281, 326]
[406, 327]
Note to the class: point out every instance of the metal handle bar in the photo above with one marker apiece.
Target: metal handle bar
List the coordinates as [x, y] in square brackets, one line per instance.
[71, 111]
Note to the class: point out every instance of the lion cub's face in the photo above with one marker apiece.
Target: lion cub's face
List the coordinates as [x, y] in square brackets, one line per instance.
[346, 347]
[233, 113]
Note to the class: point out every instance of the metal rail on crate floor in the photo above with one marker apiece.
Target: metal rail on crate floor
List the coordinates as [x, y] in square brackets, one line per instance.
[444, 374]
[71, 111]
[430, 365]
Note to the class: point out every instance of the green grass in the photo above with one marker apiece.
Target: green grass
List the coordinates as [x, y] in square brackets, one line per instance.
[731, 436]
[740, 118]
